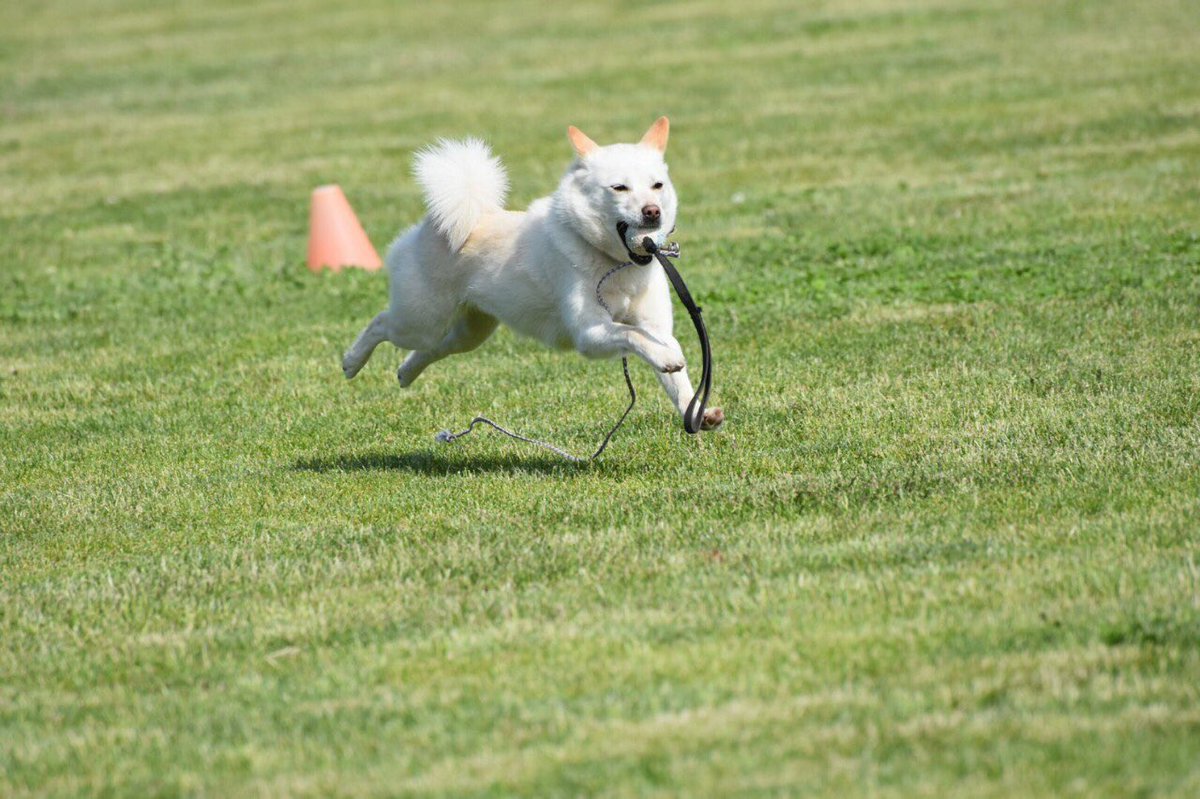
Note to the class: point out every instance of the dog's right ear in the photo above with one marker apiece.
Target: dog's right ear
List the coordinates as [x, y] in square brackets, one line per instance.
[580, 141]
[656, 137]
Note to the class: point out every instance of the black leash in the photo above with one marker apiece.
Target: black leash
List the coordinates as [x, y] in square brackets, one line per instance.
[693, 417]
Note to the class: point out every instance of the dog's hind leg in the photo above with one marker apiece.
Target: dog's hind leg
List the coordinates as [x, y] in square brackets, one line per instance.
[468, 330]
[360, 351]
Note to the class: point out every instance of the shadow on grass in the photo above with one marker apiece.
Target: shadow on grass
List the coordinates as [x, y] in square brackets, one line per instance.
[433, 464]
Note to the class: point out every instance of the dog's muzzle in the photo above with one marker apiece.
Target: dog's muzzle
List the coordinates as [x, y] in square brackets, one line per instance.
[633, 237]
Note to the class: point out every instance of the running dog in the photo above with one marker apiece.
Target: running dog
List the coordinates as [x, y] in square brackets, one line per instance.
[470, 264]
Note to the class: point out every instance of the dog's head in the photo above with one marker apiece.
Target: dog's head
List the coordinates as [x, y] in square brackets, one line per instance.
[620, 183]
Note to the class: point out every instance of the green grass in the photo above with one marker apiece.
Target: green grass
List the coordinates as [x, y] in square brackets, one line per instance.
[947, 544]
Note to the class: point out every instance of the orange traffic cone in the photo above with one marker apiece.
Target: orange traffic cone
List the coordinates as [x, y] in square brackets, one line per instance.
[336, 238]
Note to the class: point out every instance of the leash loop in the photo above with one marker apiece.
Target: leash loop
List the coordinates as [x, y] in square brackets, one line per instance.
[693, 417]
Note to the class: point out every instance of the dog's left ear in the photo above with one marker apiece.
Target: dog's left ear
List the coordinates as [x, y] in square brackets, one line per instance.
[656, 137]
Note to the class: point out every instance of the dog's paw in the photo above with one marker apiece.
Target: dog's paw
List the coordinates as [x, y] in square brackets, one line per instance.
[713, 418]
[350, 368]
[670, 366]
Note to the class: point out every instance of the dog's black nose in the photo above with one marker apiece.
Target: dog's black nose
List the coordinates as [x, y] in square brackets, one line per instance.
[651, 215]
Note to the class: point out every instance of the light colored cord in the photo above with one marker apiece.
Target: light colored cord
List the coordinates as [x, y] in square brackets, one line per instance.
[445, 436]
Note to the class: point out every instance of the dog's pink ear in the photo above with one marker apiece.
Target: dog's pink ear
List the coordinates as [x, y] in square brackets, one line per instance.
[580, 141]
[656, 137]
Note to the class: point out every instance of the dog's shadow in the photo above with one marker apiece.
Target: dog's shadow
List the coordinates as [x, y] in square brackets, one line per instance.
[431, 463]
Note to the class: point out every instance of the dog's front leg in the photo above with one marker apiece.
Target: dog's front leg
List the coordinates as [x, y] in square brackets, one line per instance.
[679, 390]
[604, 338]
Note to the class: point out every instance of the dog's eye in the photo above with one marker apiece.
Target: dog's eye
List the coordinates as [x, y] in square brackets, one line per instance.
[620, 187]
[657, 185]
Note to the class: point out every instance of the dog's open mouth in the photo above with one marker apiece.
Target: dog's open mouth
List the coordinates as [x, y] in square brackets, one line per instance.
[657, 233]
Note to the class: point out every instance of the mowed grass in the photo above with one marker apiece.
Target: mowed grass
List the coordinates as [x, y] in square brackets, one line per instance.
[946, 545]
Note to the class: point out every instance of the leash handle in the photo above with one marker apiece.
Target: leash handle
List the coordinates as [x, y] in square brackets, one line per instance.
[693, 417]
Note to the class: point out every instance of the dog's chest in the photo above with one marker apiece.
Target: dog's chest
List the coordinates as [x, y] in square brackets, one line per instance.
[621, 291]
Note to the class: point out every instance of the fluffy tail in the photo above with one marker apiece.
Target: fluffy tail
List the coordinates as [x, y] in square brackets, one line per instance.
[462, 181]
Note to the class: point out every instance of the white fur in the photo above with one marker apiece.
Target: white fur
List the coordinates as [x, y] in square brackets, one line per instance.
[470, 264]
[462, 182]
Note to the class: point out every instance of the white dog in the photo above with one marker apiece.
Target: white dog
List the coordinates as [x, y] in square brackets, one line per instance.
[470, 264]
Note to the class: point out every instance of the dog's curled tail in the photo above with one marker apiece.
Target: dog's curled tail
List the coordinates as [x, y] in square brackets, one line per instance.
[462, 181]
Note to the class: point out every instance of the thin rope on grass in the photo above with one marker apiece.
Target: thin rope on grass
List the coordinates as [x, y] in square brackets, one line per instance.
[446, 436]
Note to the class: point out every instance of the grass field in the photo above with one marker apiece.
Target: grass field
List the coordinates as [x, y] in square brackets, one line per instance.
[946, 545]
